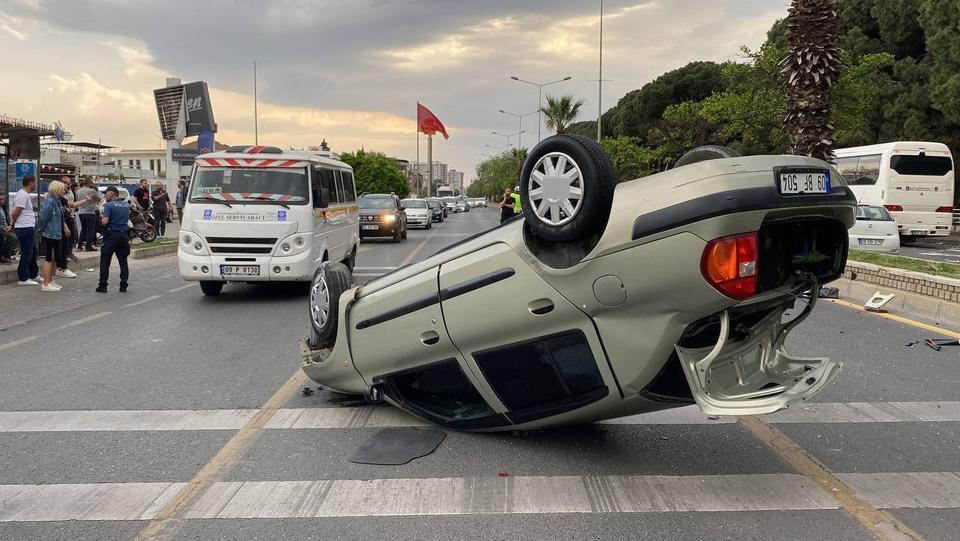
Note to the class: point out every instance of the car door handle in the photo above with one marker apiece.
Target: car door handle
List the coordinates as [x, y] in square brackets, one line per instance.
[430, 338]
[540, 307]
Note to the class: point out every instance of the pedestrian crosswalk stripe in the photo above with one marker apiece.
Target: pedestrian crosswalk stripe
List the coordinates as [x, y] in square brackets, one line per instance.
[473, 495]
[384, 416]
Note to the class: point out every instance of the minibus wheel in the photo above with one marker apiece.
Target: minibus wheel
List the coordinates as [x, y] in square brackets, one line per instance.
[330, 281]
[211, 289]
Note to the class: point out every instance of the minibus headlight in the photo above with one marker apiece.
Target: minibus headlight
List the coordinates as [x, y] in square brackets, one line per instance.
[285, 247]
[188, 240]
[299, 242]
[198, 246]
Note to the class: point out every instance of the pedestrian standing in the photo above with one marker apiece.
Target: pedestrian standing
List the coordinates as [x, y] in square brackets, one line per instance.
[506, 205]
[87, 212]
[141, 197]
[7, 240]
[161, 207]
[69, 203]
[23, 222]
[53, 230]
[116, 213]
[181, 199]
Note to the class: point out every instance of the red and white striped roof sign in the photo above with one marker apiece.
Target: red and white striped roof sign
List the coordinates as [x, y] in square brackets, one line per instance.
[250, 162]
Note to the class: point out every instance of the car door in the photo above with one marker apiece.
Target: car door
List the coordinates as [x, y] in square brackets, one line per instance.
[398, 340]
[538, 354]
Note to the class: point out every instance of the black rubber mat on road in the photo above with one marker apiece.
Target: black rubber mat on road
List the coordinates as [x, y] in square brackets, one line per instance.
[395, 446]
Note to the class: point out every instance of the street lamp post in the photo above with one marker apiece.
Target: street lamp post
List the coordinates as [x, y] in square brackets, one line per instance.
[540, 102]
[509, 135]
[520, 119]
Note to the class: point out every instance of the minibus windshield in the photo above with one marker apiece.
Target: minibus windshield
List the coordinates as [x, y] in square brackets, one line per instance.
[252, 185]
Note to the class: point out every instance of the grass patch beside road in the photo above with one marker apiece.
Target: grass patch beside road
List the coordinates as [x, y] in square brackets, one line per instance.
[948, 270]
[140, 245]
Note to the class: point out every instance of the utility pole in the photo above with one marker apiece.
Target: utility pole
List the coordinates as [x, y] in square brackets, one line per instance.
[600, 79]
[430, 160]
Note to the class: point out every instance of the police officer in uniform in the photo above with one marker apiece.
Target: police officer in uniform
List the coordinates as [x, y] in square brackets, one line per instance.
[115, 215]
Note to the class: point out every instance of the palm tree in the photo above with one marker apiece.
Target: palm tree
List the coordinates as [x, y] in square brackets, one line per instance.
[561, 112]
[811, 69]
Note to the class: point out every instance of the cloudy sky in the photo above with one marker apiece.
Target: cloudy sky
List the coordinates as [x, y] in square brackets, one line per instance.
[349, 71]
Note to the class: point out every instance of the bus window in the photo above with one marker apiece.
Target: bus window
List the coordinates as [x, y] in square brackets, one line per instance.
[936, 166]
[324, 180]
[349, 190]
[848, 167]
[338, 186]
[868, 170]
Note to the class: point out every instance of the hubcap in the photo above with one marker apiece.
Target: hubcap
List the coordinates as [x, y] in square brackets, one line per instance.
[556, 188]
[320, 302]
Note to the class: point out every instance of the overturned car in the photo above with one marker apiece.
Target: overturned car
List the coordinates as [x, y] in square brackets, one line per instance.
[602, 300]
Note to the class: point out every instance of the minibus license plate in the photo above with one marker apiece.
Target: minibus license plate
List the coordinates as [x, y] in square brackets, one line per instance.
[804, 182]
[240, 270]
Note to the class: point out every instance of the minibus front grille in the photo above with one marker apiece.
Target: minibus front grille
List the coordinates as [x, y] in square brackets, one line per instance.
[240, 250]
[241, 240]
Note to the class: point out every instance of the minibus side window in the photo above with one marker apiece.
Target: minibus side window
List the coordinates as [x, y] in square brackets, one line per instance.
[338, 188]
[323, 186]
[349, 190]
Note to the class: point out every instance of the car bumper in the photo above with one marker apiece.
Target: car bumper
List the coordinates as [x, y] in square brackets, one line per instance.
[924, 224]
[377, 229]
[418, 221]
[295, 268]
[867, 243]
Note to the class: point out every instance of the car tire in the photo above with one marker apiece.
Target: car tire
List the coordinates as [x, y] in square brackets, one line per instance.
[403, 234]
[397, 235]
[211, 289]
[705, 153]
[330, 281]
[563, 217]
[429, 226]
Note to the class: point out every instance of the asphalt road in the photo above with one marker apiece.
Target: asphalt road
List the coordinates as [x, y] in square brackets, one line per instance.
[942, 249]
[113, 407]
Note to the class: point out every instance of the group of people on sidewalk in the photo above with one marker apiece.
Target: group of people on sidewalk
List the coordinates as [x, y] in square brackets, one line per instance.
[56, 223]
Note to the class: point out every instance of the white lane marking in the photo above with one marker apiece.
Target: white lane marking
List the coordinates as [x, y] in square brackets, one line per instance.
[907, 489]
[383, 416]
[87, 319]
[375, 268]
[407, 497]
[181, 288]
[144, 301]
[16, 343]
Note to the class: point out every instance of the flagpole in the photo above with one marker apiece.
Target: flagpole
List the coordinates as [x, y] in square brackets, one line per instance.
[430, 160]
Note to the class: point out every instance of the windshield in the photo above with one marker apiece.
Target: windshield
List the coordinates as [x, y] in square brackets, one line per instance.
[376, 202]
[434, 203]
[251, 185]
[874, 214]
[413, 204]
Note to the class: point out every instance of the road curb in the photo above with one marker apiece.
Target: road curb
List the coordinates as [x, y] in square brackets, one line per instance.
[8, 273]
[919, 295]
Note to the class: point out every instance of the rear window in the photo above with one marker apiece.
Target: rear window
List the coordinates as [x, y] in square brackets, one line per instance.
[873, 214]
[933, 166]
[413, 204]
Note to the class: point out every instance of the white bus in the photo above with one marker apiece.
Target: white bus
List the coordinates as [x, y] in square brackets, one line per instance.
[444, 191]
[258, 214]
[913, 180]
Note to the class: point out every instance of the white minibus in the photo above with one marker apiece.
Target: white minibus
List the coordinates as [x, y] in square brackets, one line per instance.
[913, 180]
[259, 214]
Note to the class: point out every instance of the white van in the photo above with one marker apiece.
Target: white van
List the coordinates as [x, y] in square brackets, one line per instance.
[259, 214]
[913, 180]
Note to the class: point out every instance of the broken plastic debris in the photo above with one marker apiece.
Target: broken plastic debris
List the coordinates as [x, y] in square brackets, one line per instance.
[878, 301]
[937, 344]
[829, 293]
[307, 391]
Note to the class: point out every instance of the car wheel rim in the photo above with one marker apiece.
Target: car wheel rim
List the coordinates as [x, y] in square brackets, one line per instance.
[555, 189]
[320, 302]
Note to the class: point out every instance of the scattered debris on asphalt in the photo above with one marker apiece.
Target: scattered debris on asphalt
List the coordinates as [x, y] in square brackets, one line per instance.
[911, 344]
[503, 474]
[398, 445]
[878, 301]
[937, 343]
[829, 293]
[307, 391]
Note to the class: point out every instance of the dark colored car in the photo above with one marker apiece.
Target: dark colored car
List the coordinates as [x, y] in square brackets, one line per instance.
[382, 216]
[437, 212]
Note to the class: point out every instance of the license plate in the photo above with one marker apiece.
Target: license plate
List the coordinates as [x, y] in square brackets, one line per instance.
[918, 231]
[804, 182]
[870, 242]
[370, 227]
[240, 270]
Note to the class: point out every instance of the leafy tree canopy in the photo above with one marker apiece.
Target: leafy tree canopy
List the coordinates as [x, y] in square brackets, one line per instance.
[374, 172]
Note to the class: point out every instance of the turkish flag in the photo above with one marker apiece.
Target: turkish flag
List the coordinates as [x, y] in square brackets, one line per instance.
[428, 123]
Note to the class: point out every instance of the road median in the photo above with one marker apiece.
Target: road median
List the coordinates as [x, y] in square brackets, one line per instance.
[8, 272]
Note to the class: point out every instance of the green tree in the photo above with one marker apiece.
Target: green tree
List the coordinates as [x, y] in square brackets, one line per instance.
[374, 172]
[560, 112]
[586, 128]
[630, 160]
[682, 128]
[941, 25]
[811, 69]
[859, 98]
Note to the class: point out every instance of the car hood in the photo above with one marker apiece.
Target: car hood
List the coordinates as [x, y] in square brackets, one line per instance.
[375, 212]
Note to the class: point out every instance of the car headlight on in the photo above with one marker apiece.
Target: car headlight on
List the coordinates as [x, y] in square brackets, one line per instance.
[388, 218]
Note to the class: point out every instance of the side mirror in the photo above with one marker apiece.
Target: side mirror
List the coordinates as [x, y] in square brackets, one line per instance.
[321, 200]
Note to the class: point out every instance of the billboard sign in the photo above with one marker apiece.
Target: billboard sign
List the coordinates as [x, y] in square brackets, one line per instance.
[184, 155]
[199, 109]
[25, 147]
[193, 99]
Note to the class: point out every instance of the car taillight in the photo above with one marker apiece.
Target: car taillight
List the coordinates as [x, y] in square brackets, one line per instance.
[730, 265]
[894, 208]
[945, 209]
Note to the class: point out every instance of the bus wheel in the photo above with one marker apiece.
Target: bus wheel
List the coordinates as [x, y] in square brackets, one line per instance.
[330, 281]
[211, 289]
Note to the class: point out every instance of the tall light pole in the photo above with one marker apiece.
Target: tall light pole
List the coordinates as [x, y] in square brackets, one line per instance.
[520, 119]
[509, 135]
[600, 79]
[540, 102]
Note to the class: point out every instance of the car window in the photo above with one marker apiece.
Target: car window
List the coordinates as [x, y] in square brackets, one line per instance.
[377, 202]
[541, 372]
[934, 166]
[413, 204]
[441, 390]
[873, 214]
